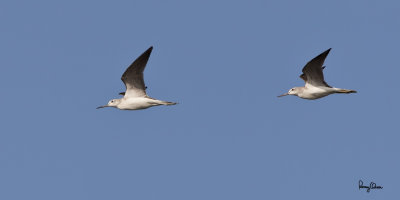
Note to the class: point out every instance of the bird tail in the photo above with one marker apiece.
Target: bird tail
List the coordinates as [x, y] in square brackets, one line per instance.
[167, 103]
[345, 91]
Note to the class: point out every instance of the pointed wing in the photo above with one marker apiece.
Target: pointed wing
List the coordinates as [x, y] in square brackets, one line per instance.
[312, 72]
[302, 76]
[133, 76]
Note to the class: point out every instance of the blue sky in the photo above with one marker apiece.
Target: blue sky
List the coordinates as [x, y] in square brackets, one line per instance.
[225, 62]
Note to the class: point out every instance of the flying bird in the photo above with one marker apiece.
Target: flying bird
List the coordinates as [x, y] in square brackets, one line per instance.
[135, 97]
[315, 86]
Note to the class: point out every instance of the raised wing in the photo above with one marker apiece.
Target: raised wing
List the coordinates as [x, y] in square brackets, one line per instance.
[133, 76]
[312, 72]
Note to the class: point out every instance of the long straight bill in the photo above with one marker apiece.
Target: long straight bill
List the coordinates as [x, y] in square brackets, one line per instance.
[102, 106]
[283, 95]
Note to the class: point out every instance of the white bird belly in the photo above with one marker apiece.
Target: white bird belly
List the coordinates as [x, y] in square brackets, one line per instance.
[315, 92]
[137, 103]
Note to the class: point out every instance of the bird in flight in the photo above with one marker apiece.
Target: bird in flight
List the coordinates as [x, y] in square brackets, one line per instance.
[135, 97]
[315, 86]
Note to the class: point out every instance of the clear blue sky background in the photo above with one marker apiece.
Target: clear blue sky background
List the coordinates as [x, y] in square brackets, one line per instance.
[224, 62]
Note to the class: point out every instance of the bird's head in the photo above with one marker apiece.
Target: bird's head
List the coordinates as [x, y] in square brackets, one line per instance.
[111, 103]
[292, 91]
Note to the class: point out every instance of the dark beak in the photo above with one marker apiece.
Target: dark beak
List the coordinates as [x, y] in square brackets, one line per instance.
[102, 106]
[283, 95]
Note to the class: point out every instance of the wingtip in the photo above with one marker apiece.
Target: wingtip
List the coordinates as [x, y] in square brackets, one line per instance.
[327, 51]
[148, 51]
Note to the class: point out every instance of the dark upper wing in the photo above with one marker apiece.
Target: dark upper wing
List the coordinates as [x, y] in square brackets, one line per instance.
[123, 93]
[312, 72]
[133, 76]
